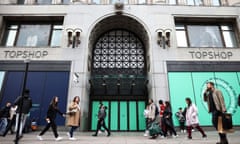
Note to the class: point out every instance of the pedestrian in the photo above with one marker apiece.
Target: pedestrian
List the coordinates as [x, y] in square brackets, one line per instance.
[181, 119]
[216, 106]
[167, 120]
[161, 110]
[152, 116]
[192, 119]
[11, 120]
[26, 103]
[50, 119]
[5, 114]
[74, 114]
[101, 120]
[145, 113]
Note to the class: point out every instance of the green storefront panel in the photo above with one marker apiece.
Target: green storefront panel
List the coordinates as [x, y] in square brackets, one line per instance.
[114, 115]
[229, 84]
[132, 116]
[123, 115]
[193, 84]
[180, 87]
[199, 85]
[141, 118]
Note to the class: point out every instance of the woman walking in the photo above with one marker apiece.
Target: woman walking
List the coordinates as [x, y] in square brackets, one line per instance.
[192, 119]
[51, 116]
[73, 116]
[167, 120]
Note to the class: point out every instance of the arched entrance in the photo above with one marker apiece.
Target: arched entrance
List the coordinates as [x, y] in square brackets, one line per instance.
[118, 73]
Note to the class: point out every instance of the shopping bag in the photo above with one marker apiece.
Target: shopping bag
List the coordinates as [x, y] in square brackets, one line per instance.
[225, 123]
[154, 129]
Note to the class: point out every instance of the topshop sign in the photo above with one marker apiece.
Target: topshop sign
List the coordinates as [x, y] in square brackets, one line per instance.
[211, 54]
[25, 54]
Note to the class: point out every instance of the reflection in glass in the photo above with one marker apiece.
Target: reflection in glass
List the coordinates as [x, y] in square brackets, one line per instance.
[216, 2]
[11, 35]
[33, 35]
[44, 1]
[181, 36]
[2, 74]
[56, 36]
[204, 36]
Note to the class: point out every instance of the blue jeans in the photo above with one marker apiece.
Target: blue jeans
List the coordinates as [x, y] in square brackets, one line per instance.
[3, 125]
[73, 128]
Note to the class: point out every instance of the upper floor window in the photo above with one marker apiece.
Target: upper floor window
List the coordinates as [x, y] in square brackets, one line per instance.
[195, 2]
[172, 2]
[33, 35]
[216, 2]
[206, 35]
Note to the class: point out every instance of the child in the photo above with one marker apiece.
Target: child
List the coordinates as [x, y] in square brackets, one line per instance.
[181, 119]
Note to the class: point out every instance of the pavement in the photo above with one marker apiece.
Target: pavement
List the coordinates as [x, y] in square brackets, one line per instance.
[119, 138]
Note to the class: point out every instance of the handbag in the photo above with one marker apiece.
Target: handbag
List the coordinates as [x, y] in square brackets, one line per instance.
[225, 123]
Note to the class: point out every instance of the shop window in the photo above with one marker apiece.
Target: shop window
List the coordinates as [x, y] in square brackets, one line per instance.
[206, 35]
[33, 35]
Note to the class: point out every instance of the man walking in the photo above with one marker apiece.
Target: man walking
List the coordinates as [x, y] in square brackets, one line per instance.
[26, 102]
[216, 106]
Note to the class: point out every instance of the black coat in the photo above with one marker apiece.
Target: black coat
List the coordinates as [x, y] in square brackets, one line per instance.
[27, 104]
[5, 112]
[52, 112]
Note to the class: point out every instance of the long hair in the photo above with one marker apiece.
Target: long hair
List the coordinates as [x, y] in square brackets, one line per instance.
[54, 103]
[189, 101]
[74, 99]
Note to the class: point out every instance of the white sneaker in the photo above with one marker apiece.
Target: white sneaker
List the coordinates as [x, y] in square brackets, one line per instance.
[72, 138]
[68, 134]
[58, 138]
[174, 136]
[145, 134]
[39, 138]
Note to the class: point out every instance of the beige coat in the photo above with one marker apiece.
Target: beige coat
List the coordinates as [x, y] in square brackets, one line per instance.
[74, 119]
[218, 100]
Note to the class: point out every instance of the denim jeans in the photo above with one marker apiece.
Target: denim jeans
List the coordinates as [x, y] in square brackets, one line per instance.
[3, 125]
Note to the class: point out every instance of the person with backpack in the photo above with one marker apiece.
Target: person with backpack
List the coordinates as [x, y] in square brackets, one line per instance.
[154, 128]
[101, 120]
[181, 118]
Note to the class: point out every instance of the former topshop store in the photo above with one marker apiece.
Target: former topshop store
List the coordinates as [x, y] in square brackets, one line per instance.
[120, 61]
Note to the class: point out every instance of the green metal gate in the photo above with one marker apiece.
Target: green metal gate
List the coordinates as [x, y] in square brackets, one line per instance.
[121, 115]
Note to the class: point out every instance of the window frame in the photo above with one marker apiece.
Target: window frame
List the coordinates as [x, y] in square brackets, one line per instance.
[208, 22]
[30, 22]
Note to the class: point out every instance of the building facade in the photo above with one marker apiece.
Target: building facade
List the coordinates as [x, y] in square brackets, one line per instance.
[120, 53]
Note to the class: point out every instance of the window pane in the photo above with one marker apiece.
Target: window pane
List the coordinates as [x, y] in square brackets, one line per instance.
[172, 2]
[181, 39]
[66, 1]
[141, 1]
[56, 38]
[229, 39]
[11, 35]
[96, 1]
[44, 1]
[216, 2]
[199, 2]
[204, 36]
[33, 35]
[190, 2]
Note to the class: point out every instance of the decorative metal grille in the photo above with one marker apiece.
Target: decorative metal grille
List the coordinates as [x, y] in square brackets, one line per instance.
[118, 52]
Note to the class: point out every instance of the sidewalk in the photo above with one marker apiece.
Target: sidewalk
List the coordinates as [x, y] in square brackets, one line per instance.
[119, 138]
